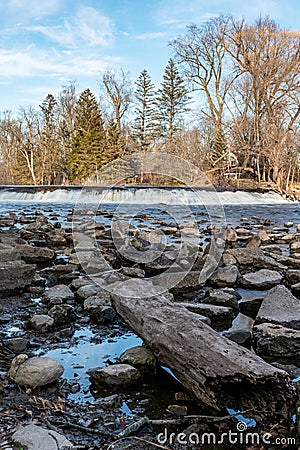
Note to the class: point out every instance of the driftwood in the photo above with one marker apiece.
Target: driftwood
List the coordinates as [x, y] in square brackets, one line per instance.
[216, 371]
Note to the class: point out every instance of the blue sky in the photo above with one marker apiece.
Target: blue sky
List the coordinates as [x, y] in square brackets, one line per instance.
[44, 44]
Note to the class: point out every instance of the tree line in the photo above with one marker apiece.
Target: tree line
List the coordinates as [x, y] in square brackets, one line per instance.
[228, 102]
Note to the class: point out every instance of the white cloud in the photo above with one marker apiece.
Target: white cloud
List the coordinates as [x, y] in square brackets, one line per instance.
[177, 14]
[33, 8]
[31, 62]
[149, 36]
[88, 26]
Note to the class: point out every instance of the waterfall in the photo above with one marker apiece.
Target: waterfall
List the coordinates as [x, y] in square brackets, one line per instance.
[136, 195]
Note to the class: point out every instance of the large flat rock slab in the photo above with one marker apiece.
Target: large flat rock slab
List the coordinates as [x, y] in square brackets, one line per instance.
[262, 279]
[279, 306]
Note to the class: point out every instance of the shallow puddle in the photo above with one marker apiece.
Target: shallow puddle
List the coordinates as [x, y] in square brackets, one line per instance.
[84, 355]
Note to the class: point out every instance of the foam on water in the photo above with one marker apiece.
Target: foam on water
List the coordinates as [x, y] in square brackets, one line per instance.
[137, 195]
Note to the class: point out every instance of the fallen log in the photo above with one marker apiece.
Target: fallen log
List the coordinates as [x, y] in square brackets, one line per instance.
[216, 371]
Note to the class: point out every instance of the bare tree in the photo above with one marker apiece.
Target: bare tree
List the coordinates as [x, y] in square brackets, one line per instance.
[118, 90]
[202, 55]
[268, 60]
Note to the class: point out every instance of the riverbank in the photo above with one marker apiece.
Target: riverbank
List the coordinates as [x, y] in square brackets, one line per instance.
[51, 308]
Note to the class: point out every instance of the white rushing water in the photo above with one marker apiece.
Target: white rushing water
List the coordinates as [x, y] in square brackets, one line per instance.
[136, 195]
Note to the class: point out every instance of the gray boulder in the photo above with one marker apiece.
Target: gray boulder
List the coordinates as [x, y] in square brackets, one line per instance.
[15, 275]
[141, 358]
[32, 254]
[41, 322]
[220, 297]
[115, 376]
[35, 371]
[262, 279]
[33, 437]
[245, 256]
[276, 340]
[58, 294]
[217, 314]
[292, 276]
[224, 276]
[99, 309]
[62, 314]
[279, 306]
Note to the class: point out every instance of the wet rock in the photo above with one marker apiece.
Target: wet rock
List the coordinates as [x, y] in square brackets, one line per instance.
[228, 259]
[33, 437]
[79, 282]
[222, 298]
[295, 247]
[296, 289]
[217, 314]
[293, 371]
[224, 276]
[254, 241]
[58, 294]
[276, 340]
[279, 306]
[250, 306]
[178, 410]
[262, 279]
[135, 272]
[245, 256]
[41, 322]
[141, 358]
[32, 254]
[264, 237]
[9, 254]
[62, 314]
[190, 282]
[267, 262]
[292, 276]
[88, 290]
[111, 401]
[35, 371]
[231, 235]
[17, 345]
[241, 337]
[99, 309]
[15, 275]
[115, 376]
[57, 238]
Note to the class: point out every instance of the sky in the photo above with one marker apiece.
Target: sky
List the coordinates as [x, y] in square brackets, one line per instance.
[45, 44]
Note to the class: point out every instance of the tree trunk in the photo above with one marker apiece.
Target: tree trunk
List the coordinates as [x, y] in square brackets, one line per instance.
[216, 371]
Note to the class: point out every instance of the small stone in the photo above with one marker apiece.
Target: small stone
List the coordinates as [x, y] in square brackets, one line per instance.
[140, 357]
[61, 292]
[41, 322]
[62, 314]
[231, 235]
[17, 345]
[115, 376]
[179, 410]
[224, 276]
[35, 371]
[289, 224]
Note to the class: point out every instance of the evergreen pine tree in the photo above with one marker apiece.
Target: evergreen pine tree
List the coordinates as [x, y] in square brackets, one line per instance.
[172, 101]
[144, 126]
[49, 145]
[87, 154]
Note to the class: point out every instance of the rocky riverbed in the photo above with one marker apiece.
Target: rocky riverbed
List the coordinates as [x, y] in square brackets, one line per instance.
[73, 374]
